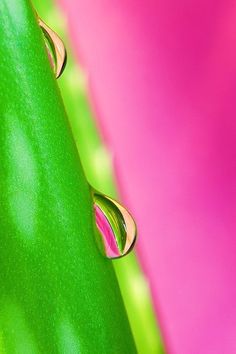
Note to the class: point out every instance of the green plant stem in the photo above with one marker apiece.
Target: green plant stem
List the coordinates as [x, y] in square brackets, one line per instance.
[97, 163]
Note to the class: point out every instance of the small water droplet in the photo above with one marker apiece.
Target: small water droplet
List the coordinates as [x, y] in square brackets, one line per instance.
[55, 47]
[116, 226]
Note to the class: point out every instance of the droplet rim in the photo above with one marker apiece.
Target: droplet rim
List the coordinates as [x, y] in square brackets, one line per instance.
[58, 47]
[129, 224]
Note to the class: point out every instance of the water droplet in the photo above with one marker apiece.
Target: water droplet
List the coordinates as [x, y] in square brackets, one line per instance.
[116, 226]
[55, 47]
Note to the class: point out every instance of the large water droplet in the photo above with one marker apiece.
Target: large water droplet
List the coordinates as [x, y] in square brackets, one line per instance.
[55, 47]
[116, 226]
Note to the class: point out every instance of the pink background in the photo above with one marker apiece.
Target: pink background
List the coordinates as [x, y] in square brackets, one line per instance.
[163, 80]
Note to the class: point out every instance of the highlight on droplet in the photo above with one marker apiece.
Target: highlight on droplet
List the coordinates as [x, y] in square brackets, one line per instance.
[116, 226]
[55, 48]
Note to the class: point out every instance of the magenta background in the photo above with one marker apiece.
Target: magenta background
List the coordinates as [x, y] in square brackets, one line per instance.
[163, 79]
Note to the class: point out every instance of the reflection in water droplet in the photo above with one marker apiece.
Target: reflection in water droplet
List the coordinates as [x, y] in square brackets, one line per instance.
[115, 225]
[55, 47]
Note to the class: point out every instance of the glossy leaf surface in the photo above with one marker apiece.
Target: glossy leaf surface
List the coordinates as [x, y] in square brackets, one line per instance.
[58, 294]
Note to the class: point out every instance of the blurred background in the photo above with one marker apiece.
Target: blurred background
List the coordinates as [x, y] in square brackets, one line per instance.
[150, 91]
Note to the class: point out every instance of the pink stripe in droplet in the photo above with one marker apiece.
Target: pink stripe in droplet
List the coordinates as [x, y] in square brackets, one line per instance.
[106, 231]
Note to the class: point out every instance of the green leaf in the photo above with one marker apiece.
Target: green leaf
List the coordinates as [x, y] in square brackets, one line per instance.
[58, 294]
